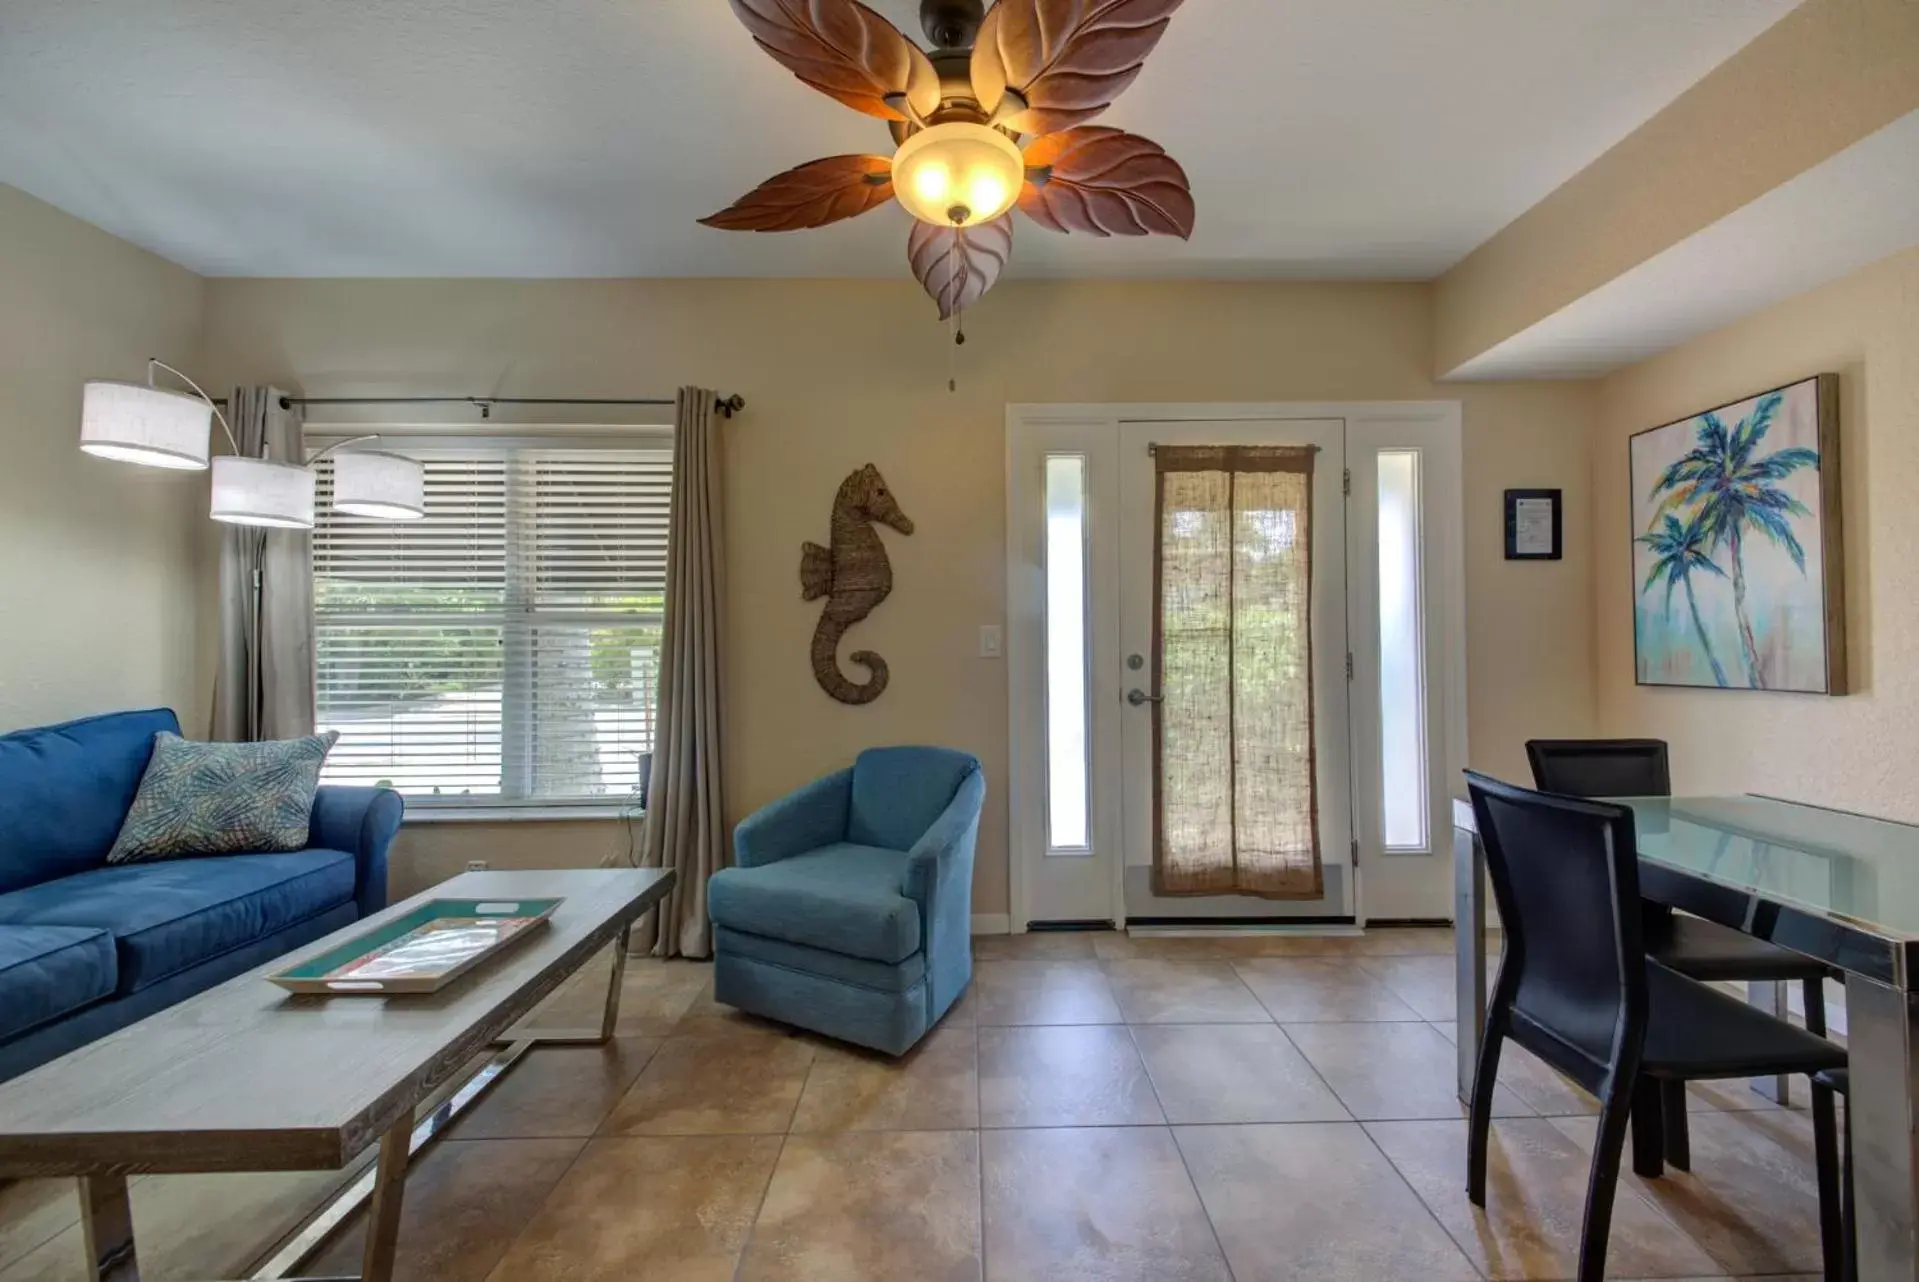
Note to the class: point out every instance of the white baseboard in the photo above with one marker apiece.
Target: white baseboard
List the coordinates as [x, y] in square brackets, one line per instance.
[992, 924]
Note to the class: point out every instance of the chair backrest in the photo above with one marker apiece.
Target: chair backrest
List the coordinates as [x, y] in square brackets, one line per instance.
[1565, 874]
[899, 792]
[1601, 767]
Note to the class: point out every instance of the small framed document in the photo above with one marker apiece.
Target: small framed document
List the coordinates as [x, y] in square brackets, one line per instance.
[1532, 525]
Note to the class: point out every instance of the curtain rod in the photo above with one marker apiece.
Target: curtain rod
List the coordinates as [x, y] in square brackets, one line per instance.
[726, 405]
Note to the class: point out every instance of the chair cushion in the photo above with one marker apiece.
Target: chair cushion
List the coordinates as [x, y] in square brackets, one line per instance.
[1694, 1032]
[48, 971]
[170, 916]
[64, 790]
[844, 898]
[1706, 950]
[899, 792]
[222, 798]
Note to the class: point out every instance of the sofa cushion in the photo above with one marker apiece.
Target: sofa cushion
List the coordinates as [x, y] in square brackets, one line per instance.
[843, 898]
[48, 971]
[167, 917]
[64, 790]
[898, 793]
[223, 798]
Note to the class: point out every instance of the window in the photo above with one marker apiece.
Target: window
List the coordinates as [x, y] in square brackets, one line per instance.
[1067, 816]
[1402, 655]
[506, 647]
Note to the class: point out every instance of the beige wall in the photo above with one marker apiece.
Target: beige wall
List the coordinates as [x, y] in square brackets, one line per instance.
[837, 374]
[1857, 751]
[99, 587]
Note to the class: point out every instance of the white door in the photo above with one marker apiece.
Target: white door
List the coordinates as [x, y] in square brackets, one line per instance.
[1235, 775]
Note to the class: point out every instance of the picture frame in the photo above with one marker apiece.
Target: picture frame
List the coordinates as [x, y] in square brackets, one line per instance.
[1737, 547]
[1535, 525]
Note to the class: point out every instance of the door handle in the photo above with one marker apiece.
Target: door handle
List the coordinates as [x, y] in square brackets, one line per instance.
[1138, 697]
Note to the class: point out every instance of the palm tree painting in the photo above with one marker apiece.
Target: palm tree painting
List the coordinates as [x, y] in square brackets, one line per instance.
[1734, 515]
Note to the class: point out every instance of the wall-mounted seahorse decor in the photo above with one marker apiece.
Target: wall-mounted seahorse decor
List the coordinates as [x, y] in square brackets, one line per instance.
[854, 576]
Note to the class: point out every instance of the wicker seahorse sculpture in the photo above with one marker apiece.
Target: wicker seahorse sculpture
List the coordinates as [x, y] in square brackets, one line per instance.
[854, 576]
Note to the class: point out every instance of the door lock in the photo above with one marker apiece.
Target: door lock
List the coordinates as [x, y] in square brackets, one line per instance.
[1137, 697]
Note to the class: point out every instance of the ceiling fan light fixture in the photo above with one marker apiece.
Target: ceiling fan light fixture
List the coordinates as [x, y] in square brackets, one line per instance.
[958, 174]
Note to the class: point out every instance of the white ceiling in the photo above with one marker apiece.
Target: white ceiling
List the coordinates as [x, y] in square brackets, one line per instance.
[1324, 138]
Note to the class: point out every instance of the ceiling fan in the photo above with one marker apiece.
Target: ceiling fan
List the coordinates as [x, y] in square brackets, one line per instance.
[1036, 70]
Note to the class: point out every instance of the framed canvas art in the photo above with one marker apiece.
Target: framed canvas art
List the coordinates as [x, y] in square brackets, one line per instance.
[1738, 581]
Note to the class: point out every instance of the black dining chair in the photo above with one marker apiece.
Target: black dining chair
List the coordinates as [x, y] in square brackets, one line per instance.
[1690, 945]
[1577, 989]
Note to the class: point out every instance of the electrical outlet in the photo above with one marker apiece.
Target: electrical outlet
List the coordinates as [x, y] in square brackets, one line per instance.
[989, 641]
[476, 865]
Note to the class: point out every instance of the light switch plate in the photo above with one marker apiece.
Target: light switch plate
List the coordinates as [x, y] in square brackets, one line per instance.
[989, 641]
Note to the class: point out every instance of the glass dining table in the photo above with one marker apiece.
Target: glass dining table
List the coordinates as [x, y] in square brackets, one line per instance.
[1841, 887]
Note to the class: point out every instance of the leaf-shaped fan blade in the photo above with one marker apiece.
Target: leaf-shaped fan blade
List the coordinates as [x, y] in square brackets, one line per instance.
[846, 51]
[813, 195]
[1068, 59]
[958, 266]
[1107, 182]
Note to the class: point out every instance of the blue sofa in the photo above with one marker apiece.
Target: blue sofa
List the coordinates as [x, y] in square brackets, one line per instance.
[87, 947]
[849, 910]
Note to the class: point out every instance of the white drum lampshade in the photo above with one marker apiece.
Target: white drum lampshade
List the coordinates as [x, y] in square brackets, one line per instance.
[137, 424]
[252, 491]
[373, 483]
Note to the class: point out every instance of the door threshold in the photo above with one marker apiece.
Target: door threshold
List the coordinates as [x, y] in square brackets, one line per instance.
[1163, 929]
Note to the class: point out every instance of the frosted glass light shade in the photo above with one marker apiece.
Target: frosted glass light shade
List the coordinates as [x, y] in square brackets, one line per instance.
[252, 491]
[138, 424]
[387, 487]
[958, 174]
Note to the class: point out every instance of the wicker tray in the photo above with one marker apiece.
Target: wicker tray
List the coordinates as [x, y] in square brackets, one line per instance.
[421, 951]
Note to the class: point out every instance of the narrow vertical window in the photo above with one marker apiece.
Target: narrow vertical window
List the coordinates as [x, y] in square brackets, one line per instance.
[1067, 820]
[1402, 655]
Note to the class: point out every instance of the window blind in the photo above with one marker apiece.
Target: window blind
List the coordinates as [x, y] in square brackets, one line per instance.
[506, 646]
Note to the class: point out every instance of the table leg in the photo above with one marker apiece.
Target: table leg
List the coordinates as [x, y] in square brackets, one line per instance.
[1469, 952]
[610, 1017]
[106, 1218]
[1770, 996]
[1882, 1029]
[383, 1213]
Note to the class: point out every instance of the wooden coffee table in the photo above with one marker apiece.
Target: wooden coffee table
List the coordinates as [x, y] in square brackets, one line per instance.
[245, 1077]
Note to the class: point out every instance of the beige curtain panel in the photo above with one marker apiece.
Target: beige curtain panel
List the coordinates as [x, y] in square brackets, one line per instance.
[1235, 801]
[686, 805]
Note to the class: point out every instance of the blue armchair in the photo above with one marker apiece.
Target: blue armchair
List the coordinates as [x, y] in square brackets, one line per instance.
[849, 910]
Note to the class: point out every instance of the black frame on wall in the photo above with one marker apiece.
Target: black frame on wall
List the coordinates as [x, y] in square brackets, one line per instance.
[1512, 525]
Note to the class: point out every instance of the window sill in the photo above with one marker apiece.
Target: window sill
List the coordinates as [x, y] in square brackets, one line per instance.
[424, 814]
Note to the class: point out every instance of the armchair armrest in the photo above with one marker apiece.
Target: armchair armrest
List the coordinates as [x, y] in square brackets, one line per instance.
[939, 868]
[362, 822]
[814, 816]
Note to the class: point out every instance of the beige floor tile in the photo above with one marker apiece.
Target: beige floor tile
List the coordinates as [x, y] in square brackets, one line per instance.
[33, 1212]
[1162, 991]
[715, 1086]
[933, 1087]
[1542, 1087]
[1064, 1075]
[1043, 992]
[1320, 990]
[963, 1013]
[1750, 1199]
[1106, 1204]
[1037, 945]
[879, 1206]
[1233, 1073]
[1406, 941]
[1424, 983]
[558, 1091]
[465, 1202]
[1738, 1096]
[1535, 1202]
[1317, 1203]
[663, 1208]
[653, 997]
[1391, 1072]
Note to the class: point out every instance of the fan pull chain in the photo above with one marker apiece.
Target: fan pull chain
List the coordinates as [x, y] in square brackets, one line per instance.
[957, 313]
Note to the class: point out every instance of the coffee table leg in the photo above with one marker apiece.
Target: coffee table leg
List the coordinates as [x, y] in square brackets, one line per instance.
[383, 1213]
[610, 1018]
[106, 1215]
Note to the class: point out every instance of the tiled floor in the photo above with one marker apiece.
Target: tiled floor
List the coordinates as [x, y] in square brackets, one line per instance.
[1096, 1108]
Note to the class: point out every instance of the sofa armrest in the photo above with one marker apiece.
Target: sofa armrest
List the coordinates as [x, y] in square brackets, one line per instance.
[939, 868]
[362, 822]
[814, 816]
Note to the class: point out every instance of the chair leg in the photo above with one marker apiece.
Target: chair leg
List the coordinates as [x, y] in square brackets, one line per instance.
[1672, 1114]
[1816, 1007]
[1848, 1219]
[1614, 1114]
[1825, 1147]
[1485, 1078]
[1648, 1128]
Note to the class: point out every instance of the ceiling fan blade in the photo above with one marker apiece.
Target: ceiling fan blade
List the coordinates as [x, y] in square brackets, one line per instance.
[846, 51]
[1066, 59]
[957, 266]
[812, 195]
[1106, 182]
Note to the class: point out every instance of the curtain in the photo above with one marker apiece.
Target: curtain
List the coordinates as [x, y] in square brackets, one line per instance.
[686, 813]
[1236, 807]
[263, 688]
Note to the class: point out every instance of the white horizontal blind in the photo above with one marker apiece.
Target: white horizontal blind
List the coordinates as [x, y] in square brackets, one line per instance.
[506, 647]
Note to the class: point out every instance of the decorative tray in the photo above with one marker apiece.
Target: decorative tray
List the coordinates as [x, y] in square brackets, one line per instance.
[421, 951]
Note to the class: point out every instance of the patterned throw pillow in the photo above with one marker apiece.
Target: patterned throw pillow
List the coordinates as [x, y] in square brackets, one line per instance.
[222, 798]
